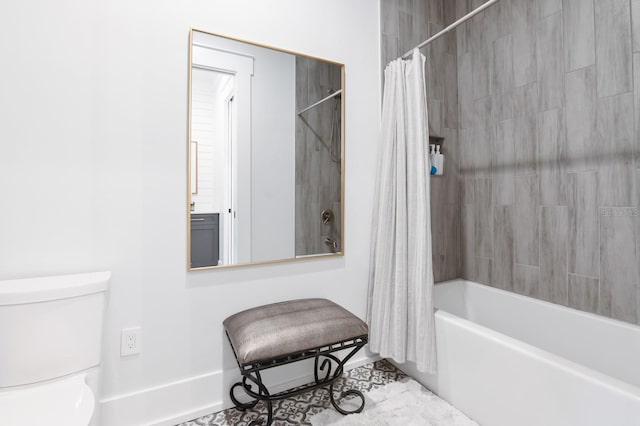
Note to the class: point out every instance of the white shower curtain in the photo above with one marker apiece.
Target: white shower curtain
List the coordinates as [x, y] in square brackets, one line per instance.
[400, 311]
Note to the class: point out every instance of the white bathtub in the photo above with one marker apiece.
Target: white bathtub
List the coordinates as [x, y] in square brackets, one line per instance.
[510, 360]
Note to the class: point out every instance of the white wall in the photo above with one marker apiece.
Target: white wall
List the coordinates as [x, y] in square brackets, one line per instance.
[99, 181]
[273, 167]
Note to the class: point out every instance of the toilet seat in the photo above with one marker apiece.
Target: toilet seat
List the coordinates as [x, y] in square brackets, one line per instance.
[64, 402]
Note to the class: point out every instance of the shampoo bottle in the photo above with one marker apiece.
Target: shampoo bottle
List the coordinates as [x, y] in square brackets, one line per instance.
[439, 161]
[433, 169]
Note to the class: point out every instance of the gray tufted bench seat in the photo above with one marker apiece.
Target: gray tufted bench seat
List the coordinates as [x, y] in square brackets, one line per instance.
[278, 334]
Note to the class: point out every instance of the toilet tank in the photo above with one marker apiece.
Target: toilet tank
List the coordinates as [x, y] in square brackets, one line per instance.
[50, 326]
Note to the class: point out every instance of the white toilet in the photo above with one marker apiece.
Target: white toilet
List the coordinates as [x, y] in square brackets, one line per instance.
[50, 344]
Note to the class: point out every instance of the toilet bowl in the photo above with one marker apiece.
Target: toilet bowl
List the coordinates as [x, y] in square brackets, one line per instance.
[64, 402]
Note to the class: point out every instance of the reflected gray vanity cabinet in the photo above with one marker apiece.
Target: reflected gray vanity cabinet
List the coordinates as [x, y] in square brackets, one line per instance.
[205, 239]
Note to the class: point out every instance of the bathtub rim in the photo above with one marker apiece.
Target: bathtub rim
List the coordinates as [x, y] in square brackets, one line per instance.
[549, 358]
[555, 306]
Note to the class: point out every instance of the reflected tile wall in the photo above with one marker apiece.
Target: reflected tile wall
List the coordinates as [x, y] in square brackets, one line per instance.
[318, 173]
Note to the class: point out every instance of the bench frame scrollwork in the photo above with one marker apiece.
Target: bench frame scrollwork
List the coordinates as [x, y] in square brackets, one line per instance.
[327, 369]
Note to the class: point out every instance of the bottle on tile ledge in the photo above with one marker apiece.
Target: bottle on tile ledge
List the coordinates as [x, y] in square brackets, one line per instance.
[439, 161]
[433, 169]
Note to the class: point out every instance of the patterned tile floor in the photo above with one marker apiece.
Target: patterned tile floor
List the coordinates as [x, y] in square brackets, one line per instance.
[297, 409]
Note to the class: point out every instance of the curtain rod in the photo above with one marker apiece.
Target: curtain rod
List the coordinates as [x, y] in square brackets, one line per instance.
[465, 18]
[333, 95]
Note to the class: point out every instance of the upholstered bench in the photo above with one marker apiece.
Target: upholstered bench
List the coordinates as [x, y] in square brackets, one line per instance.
[278, 334]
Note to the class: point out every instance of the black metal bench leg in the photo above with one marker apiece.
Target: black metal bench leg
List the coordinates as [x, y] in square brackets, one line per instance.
[242, 406]
[269, 416]
[326, 367]
[262, 392]
[344, 394]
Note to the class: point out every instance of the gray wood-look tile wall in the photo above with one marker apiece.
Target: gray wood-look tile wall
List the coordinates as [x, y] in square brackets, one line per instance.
[548, 153]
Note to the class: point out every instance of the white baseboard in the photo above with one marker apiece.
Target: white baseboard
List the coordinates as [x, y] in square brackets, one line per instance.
[183, 400]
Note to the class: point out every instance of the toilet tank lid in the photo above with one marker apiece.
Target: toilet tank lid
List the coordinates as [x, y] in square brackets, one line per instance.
[41, 289]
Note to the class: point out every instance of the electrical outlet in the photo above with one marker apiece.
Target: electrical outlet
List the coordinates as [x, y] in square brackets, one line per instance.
[130, 341]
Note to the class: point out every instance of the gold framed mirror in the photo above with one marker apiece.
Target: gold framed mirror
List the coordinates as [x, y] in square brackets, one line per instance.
[269, 126]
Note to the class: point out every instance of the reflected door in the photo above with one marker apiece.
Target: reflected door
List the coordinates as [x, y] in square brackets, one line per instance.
[213, 127]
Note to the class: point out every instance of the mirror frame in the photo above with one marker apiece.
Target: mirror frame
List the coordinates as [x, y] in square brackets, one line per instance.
[341, 253]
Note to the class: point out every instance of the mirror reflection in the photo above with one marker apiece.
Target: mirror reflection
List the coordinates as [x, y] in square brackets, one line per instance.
[265, 154]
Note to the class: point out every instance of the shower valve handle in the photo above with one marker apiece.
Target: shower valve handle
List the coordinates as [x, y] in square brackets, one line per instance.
[327, 216]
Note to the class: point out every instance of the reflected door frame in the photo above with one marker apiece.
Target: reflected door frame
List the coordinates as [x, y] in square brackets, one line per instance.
[229, 224]
[239, 219]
